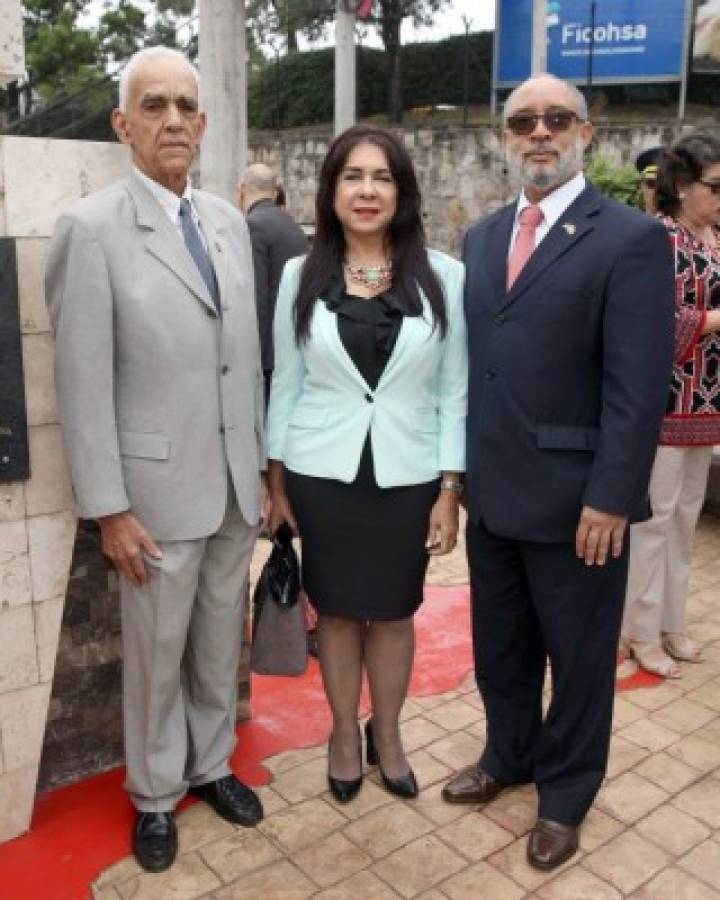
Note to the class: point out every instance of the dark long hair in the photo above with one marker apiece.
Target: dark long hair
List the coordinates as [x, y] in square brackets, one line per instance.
[411, 267]
[681, 165]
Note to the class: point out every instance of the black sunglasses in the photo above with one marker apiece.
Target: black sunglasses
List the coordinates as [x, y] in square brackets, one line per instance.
[713, 185]
[555, 121]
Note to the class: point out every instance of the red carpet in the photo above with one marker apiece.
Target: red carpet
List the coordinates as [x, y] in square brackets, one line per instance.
[80, 830]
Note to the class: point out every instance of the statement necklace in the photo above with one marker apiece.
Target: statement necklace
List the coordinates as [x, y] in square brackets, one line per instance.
[375, 278]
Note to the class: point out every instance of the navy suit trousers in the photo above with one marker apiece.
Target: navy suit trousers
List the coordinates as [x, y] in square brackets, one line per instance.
[532, 602]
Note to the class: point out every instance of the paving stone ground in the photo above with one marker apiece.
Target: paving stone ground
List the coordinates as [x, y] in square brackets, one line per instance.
[653, 834]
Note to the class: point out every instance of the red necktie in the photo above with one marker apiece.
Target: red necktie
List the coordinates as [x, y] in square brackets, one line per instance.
[524, 245]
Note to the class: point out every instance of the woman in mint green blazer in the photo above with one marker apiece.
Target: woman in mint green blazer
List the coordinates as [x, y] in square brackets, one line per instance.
[366, 435]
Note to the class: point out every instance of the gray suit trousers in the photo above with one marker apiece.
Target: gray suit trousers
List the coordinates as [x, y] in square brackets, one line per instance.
[181, 641]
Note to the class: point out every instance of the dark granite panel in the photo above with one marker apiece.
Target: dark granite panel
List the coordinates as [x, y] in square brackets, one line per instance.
[14, 452]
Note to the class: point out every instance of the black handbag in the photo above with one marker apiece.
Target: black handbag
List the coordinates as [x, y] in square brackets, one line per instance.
[279, 633]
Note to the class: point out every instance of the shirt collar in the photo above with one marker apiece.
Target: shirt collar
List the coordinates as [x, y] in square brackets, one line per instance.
[557, 201]
[168, 200]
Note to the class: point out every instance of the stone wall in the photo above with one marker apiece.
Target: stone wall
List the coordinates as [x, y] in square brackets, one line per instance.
[461, 171]
[38, 178]
[12, 45]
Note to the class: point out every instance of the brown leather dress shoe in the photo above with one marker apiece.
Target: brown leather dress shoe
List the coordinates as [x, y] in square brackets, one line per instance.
[551, 844]
[472, 785]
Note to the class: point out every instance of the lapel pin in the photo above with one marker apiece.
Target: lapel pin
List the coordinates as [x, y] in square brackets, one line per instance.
[569, 227]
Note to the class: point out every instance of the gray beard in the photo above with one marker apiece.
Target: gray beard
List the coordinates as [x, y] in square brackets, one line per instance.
[567, 166]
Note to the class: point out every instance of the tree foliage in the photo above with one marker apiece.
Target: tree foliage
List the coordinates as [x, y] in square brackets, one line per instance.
[64, 54]
[276, 24]
[619, 182]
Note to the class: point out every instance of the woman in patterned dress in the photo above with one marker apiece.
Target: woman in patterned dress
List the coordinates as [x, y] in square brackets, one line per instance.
[688, 199]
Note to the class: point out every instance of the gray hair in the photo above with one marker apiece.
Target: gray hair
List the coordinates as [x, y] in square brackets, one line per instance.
[260, 178]
[580, 103]
[148, 54]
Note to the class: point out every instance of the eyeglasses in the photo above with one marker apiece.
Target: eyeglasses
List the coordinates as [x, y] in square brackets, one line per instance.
[713, 185]
[555, 121]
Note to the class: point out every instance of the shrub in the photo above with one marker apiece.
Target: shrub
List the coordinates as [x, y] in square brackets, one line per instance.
[620, 182]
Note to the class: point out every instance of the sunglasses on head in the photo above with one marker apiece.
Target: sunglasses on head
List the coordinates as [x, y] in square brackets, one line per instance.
[555, 121]
[713, 185]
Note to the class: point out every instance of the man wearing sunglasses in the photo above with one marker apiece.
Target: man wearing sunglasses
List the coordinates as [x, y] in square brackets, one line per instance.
[569, 304]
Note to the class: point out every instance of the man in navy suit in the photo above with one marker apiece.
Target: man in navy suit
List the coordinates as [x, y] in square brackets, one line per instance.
[569, 305]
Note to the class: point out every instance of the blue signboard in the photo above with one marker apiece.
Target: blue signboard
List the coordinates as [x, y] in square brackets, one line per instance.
[633, 40]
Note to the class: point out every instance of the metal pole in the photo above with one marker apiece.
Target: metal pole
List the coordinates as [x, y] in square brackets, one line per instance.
[466, 70]
[685, 73]
[345, 67]
[588, 90]
[496, 51]
[539, 37]
[278, 122]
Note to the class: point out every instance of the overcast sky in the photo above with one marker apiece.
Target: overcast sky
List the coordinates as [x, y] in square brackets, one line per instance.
[480, 12]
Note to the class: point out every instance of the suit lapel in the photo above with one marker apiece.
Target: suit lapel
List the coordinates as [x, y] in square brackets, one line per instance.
[571, 227]
[327, 323]
[498, 241]
[164, 243]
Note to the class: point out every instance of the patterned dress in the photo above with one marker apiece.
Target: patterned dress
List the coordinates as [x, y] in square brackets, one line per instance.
[693, 411]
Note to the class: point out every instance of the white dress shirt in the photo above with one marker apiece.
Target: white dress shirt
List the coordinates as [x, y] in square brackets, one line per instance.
[170, 203]
[553, 206]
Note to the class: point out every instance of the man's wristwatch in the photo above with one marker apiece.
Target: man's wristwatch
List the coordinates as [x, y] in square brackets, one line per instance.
[450, 484]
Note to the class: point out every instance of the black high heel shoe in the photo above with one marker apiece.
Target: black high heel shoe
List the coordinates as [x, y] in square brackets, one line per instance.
[405, 786]
[342, 790]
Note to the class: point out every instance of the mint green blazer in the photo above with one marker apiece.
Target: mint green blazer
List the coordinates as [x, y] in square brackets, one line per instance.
[321, 408]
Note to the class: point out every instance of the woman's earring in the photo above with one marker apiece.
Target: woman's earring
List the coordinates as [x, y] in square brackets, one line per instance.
[681, 196]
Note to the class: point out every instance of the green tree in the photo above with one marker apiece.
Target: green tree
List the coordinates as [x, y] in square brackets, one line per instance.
[59, 52]
[277, 23]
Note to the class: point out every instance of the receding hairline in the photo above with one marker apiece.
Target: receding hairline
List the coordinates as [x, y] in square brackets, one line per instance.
[144, 57]
[578, 99]
[259, 177]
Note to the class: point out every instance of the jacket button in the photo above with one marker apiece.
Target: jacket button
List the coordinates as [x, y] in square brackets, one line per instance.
[222, 429]
[369, 398]
[490, 374]
[224, 370]
[500, 319]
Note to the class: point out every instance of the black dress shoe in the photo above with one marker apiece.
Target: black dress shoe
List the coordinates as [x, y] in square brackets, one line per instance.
[154, 841]
[551, 844]
[472, 785]
[231, 800]
[342, 789]
[405, 786]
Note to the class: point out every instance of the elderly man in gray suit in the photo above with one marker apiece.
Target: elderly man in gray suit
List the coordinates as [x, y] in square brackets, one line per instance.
[150, 289]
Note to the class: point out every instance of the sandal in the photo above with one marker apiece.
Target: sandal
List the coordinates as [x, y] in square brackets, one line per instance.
[681, 647]
[652, 658]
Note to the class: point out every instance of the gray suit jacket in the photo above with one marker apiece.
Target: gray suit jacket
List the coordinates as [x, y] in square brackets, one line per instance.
[159, 397]
[275, 239]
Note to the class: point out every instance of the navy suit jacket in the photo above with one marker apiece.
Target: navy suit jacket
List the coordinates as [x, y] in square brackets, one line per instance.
[569, 370]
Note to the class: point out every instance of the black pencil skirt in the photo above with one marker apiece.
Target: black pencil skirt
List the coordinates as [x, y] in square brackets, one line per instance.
[363, 547]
